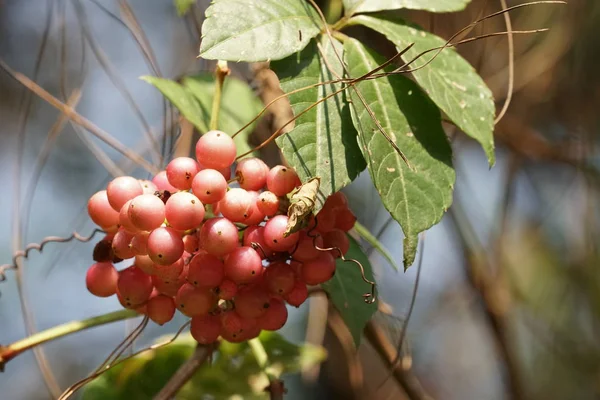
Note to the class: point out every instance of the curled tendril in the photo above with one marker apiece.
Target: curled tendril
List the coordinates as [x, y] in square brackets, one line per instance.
[368, 297]
[40, 246]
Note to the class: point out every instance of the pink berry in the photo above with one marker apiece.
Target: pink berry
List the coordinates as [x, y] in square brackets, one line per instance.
[165, 246]
[306, 249]
[205, 329]
[279, 278]
[101, 211]
[274, 229]
[160, 309]
[162, 182]
[268, 203]
[181, 171]
[319, 270]
[101, 279]
[169, 272]
[256, 216]
[237, 205]
[215, 149]
[275, 317]
[205, 270]
[184, 211]
[148, 186]
[298, 295]
[251, 173]
[209, 186]
[243, 265]
[146, 212]
[134, 286]
[282, 180]
[192, 301]
[145, 263]
[139, 243]
[121, 244]
[227, 289]
[122, 189]
[251, 302]
[124, 221]
[219, 236]
[191, 243]
[255, 234]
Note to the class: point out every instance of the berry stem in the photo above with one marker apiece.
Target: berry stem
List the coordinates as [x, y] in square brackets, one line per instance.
[12, 350]
[276, 388]
[221, 72]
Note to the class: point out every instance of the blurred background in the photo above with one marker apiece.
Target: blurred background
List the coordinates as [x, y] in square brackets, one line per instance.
[508, 301]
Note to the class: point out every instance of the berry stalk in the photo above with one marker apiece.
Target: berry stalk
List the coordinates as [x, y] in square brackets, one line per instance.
[12, 350]
[221, 72]
[276, 388]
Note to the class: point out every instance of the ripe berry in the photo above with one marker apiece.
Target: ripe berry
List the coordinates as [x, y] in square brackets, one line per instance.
[336, 239]
[274, 229]
[243, 265]
[318, 270]
[146, 212]
[184, 211]
[191, 243]
[124, 221]
[215, 149]
[134, 286]
[268, 203]
[205, 329]
[279, 278]
[251, 302]
[101, 279]
[162, 182]
[256, 216]
[139, 243]
[181, 171]
[306, 249]
[100, 210]
[145, 263]
[160, 309]
[193, 301]
[282, 180]
[209, 186]
[298, 295]
[251, 173]
[121, 244]
[165, 246]
[205, 270]
[255, 234]
[345, 220]
[169, 272]
[275, 316]
[219, 236]
[148, 186]
[227, 289]
[122, 189]
[237, 205]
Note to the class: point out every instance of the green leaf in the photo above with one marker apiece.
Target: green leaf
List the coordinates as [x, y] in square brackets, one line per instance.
[377, 245]
[260, 30]
[183, 6]
[346, 290]
[323, 142]
[360, 6]
[239, 105]
[234, 370]
[450, 81]
[183, 100]
[416, 198]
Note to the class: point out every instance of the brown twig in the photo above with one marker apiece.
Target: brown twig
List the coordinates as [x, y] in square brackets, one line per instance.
[186, 371]
[386, 350]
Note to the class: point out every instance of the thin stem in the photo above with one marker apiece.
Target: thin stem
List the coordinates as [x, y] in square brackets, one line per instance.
[12, 350]
[186, 371]
[375, 243]
[221, 72]
[275, 388]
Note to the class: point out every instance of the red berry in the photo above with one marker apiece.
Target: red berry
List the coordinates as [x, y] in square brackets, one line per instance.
[101, 279]
[160, 309]
[205, 329]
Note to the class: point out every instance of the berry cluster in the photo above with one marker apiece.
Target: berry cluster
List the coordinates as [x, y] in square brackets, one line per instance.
[216, 253]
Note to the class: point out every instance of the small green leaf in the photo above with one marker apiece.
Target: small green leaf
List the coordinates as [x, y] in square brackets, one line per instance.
[346, 290]
[418, 197]
[260, 30]
[450, 81]
[377, 245]
[360, 6]
[239, 105]
[183, 100]
[232, 373]
[183, 6]
[323, 142]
